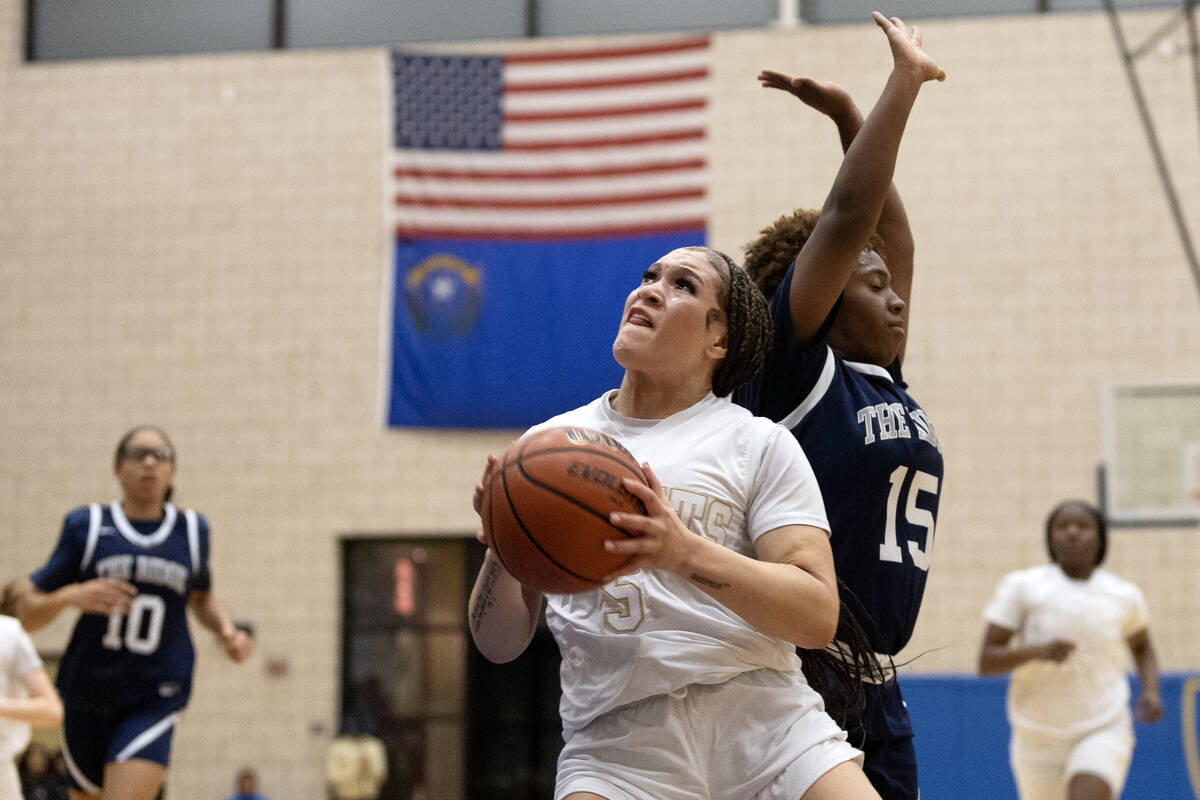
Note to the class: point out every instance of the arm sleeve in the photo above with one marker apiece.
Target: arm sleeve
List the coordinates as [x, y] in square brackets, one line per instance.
[1007, 606]
[785, 490]
[63, 566]
[25, 657]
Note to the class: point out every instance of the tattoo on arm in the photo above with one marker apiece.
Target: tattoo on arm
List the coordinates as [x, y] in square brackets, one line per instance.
[709, 582]
[484, 600]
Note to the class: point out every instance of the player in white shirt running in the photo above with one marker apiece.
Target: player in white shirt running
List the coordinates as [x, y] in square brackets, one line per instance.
[1066, 630]
[679, 675]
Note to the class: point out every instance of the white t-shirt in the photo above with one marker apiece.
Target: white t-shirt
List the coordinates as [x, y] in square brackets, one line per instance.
[18, 658]
[731, 477]
[1090, 688]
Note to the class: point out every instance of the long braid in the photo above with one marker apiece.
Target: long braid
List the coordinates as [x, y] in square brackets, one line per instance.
[748, 321]
[838, 671]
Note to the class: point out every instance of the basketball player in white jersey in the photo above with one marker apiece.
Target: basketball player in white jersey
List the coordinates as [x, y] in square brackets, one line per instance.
[1067, 630]
[679, 677]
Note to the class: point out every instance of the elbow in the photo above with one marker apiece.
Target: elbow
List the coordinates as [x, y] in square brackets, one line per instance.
[820, 629]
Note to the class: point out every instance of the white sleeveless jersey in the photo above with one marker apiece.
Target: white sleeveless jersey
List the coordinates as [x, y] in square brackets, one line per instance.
[731, 477]
[1090, 688]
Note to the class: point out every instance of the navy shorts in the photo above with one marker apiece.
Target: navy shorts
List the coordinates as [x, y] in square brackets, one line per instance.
[884, 734]
[92, 739]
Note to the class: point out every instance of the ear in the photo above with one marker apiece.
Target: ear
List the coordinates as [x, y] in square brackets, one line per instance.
[718, 348]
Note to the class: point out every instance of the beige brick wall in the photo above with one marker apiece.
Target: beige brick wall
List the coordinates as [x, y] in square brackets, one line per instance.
[200, 242]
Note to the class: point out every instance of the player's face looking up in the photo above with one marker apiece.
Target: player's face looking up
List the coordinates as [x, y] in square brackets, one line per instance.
[1075, 540]
[870, 324]
[145, 467]
[673, 322]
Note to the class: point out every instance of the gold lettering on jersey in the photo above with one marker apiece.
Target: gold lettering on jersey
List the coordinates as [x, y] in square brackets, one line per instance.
[118, 568]
[161, 572]
[624, 606]
[710, 517]
[583, 436]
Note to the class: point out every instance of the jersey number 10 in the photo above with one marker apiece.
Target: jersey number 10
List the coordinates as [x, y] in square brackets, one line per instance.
[915, 516]
[143, 626]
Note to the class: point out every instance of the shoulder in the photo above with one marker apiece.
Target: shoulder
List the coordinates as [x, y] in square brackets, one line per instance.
[1039, 575]
[78, 517]
[1116, 585]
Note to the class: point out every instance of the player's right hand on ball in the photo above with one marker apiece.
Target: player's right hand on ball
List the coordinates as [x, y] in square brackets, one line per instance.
[104, 596]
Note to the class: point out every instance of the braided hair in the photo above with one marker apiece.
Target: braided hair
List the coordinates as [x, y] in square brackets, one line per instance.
[748, 322]
[769, 256]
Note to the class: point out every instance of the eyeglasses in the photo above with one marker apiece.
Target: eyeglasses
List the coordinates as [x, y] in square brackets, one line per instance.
[161, 454]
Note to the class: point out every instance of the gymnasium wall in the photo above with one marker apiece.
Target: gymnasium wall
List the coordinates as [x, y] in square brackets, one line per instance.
[200, 242]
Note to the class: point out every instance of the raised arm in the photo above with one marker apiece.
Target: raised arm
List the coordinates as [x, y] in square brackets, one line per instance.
[893, 227]
[853, 207]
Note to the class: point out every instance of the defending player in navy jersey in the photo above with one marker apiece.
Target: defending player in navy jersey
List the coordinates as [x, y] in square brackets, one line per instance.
[839, 299]
[133, 568]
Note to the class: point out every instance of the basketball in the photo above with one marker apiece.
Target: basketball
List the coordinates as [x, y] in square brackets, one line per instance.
[545, 509]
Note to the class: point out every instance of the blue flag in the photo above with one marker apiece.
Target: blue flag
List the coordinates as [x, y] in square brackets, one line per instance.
[531, 190]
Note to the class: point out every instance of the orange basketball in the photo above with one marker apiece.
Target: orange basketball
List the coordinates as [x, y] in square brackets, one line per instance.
[545, 510]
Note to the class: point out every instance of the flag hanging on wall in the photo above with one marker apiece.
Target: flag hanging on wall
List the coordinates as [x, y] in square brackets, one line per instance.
[530, 190]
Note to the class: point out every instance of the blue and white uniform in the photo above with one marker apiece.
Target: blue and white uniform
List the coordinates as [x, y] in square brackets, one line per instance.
[877, 460]
[125, 677]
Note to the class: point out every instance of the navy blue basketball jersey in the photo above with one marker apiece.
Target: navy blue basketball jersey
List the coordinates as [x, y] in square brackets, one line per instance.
[877, 460]
[124, 659]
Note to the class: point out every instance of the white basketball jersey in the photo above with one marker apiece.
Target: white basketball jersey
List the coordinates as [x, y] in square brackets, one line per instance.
[731, 477]
[1090, 688]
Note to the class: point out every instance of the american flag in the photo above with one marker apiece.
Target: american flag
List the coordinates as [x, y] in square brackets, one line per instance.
[554, 143]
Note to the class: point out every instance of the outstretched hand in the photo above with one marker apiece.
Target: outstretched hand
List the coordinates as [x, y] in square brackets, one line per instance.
[830, 99]
[907, 51]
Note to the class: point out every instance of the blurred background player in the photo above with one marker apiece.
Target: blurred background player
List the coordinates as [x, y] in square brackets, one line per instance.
[132, 569]
[1066, 630]
[839, 300]
[246, 785]
[27, 697]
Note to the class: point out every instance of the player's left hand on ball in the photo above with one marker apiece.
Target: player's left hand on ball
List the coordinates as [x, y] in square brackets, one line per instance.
[660, 539]
[237, 644]
[481, 487]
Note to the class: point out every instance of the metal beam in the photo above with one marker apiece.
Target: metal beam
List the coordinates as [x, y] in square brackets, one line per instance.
[1129, 56]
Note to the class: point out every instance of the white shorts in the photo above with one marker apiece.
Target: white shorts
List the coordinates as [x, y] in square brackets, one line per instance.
[1043, 764]
[762, 735]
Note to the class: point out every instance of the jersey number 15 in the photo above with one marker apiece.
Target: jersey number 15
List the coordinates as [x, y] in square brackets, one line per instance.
[913, 515]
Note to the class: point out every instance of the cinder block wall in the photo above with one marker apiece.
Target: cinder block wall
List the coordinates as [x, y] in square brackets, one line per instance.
[200, 242]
